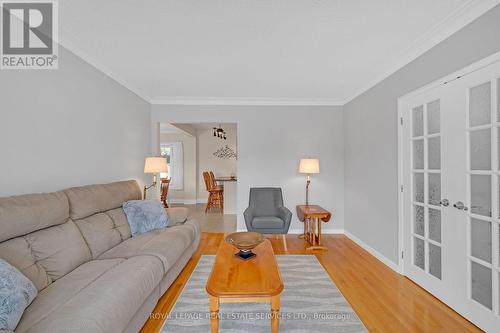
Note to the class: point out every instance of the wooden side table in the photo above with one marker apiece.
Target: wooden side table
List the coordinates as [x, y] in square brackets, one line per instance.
[312, 216]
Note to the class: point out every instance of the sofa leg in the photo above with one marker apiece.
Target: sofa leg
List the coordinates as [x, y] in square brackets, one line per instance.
[284, 242]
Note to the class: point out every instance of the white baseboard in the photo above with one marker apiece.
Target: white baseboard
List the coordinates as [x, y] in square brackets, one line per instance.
[386, 261]
[201, 201]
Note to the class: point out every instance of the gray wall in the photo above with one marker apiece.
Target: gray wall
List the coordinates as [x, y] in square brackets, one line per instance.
[66, 127]
[370, 120]
[271, 140]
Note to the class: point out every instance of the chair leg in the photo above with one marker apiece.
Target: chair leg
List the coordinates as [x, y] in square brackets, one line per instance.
[208, 202]
[284, 242]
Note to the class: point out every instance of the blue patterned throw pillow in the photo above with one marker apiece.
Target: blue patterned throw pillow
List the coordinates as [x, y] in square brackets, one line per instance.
[16, 293]
[145, 215]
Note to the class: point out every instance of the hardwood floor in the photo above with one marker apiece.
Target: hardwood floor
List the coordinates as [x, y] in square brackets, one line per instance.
[384, 300]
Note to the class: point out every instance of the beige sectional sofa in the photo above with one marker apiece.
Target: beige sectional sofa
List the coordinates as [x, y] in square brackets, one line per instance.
[75, 245]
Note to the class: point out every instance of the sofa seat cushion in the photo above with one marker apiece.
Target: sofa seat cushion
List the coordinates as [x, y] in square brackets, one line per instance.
[98, 296]
[166, 244]
[267, 222]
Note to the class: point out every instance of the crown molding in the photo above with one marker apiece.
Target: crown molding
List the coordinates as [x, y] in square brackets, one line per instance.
[167, 100]
[70, 43]
[456, 20]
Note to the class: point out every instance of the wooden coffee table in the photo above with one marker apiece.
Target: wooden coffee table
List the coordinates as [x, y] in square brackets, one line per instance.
[234, 280]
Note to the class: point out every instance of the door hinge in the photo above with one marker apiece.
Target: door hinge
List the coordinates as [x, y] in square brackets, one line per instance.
[401, 121]
[402, 188]
[402, 254]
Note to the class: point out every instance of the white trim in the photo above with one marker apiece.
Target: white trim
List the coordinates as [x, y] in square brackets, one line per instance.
[201, 201]
[391, 264]
[451, 24]
[172, 100]
[400, 188]
[70, 44]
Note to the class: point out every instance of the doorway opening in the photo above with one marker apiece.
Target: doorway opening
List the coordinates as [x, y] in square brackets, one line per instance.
[195, 151]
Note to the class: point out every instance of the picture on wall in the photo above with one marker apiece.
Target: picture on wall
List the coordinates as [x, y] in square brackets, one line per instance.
[225, 152]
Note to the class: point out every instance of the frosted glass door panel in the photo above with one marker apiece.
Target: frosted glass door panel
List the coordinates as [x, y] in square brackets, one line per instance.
[418, 154]
[481, 239]
[480, 105]
[481, 284]
[419, 226]
[480, 194]
[435, 225]
[480, 149]
[433, 117]
[418, 121]
[434, 153]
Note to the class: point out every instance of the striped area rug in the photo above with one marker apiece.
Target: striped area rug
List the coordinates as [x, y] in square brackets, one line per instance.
[310, 303]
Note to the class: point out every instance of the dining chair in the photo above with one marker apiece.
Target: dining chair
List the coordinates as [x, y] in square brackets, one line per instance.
[215, 194]
[214, 182]
[165, 183]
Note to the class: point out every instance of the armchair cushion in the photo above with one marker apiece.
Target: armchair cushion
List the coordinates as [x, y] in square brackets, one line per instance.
[268, 222]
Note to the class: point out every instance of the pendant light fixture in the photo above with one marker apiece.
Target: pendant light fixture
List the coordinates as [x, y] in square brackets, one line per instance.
[219, 132]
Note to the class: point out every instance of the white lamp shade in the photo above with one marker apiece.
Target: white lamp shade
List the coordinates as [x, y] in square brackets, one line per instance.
[309, 165]
[155, 165]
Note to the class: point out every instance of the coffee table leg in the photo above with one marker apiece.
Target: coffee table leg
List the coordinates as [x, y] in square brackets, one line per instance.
[214, 314]
[275, 313]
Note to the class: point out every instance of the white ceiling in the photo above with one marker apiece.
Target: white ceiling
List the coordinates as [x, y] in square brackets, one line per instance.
[273, 51]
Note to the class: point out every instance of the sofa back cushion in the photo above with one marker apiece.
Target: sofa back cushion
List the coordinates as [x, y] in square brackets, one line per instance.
[39, 238]
[23, 214]
[97, 210]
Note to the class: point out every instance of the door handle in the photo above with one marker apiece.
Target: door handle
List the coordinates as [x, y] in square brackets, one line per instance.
[460, 206]
[444, 202]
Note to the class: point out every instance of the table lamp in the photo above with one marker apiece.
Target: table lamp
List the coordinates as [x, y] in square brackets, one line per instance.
[308, 166]
[154, 165]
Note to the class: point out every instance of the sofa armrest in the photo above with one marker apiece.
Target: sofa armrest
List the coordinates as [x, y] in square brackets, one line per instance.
[178, 214]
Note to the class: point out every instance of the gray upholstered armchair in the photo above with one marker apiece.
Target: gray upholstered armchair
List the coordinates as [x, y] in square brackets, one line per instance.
[266, 213]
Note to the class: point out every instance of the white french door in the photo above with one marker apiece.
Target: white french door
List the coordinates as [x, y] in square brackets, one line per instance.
[450, 202]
